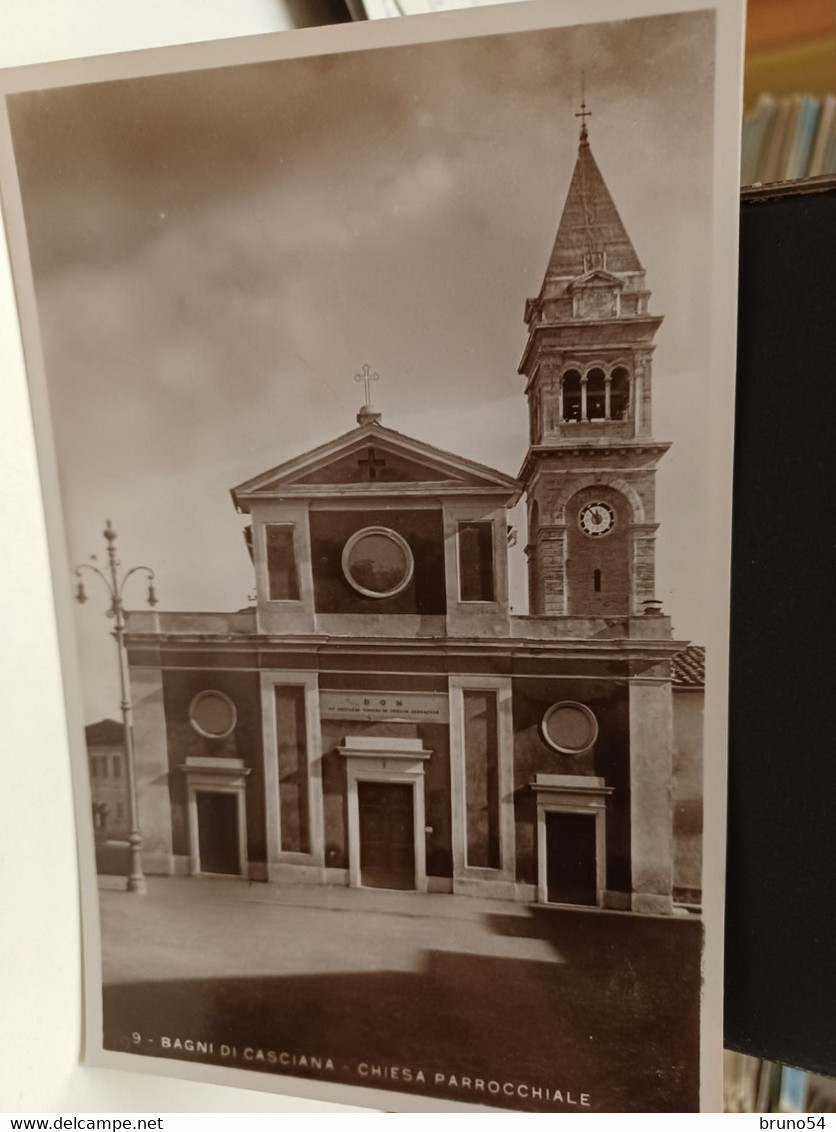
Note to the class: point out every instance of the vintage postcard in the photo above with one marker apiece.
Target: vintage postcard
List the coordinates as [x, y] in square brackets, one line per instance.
[383, 381]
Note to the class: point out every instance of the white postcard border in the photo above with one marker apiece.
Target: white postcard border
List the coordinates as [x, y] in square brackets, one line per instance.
[250, 49]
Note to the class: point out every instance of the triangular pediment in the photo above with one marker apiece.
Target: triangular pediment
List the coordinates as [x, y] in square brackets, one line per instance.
[596, 278]
[375, 460]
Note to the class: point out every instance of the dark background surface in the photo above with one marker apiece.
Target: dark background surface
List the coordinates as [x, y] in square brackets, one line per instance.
[781, 874]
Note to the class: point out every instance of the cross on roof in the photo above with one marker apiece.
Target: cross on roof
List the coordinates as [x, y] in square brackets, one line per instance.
[583, 114]
[367, 377]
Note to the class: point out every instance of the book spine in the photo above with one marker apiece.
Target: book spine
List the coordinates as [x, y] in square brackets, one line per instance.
[802, 142]
[790, 129]
[821, 159]
[762, 120]
[770, 170]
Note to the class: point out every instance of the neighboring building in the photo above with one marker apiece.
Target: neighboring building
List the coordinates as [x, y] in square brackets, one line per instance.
[380, 718]
[108, 778]
[688, 701]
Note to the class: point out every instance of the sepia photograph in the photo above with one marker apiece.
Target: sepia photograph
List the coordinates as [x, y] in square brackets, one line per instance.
[378, 375]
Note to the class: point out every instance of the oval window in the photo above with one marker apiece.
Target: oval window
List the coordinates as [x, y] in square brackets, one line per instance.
[569, 728]
[212, 714]
[377, 562]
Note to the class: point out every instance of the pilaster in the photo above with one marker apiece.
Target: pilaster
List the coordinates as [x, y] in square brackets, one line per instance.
[468, 879]
[651, 803]
[152, 770]
[643, 567]
[549, 552]
[312, 862]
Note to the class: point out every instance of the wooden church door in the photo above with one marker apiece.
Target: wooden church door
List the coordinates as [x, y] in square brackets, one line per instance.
[387, 835]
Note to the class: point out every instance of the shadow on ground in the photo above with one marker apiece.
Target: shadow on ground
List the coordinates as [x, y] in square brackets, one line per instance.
[617, 1018]
[113, 858]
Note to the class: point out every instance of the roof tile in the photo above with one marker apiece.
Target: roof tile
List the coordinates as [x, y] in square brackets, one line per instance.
[689, 667]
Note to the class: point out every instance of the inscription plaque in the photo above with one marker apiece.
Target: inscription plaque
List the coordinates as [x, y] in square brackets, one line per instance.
[411, 707]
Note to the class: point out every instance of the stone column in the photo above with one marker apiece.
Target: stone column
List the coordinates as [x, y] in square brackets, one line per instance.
[651, 794]
[152, 770]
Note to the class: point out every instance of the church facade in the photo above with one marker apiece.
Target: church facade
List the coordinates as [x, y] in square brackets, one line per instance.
[379, 717]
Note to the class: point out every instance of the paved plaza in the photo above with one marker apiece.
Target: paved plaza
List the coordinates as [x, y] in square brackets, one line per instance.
[421, 992]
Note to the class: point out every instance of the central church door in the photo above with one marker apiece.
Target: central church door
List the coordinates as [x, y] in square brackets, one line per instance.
[571, 858]
[217, 831]
[387, 835]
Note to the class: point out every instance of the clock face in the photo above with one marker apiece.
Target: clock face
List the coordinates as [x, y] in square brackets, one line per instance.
[596, 519]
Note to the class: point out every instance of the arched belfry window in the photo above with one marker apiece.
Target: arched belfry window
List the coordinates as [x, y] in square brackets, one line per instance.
[595, 396]
[571, 388]
[619, 394]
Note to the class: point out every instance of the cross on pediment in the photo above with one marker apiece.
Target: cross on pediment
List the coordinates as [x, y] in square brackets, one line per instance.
[367, 377]
[372, 463]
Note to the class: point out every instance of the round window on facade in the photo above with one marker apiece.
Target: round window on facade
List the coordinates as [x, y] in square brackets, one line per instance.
[213, 715]
[569, 728]
[377, 562]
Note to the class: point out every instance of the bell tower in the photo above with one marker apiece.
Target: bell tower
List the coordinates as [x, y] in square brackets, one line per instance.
[590, 470]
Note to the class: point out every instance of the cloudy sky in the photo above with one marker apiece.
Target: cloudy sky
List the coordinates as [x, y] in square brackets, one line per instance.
[216, 253]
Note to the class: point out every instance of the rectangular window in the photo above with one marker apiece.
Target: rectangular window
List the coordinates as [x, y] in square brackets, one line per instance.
[292, 744]
[281, 562]
[117, 766]
[481, 759]
[476, 581]
[103, 769]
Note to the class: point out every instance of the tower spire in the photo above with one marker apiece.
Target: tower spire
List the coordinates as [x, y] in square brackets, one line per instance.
[590, 227]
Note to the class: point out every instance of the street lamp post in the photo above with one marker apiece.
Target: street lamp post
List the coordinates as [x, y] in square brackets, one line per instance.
[116, 588]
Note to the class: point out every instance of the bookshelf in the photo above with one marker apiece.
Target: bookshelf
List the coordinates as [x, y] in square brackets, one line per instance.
[789, 123]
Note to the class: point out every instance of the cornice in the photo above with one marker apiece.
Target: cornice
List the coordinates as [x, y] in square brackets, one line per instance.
[449, 649]
[561, 451]
[579, 334]
[381, 490]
